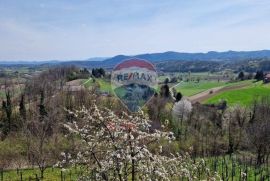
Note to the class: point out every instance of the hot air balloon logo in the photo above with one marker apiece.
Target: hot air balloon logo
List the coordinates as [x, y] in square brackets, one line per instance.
[134, 82]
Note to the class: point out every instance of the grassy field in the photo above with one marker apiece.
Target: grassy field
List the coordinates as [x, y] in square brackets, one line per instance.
[105, 85]
[191, 88]
[243, 96]
[186, 88]
[87, 83]
[50, 174]
[228, 168]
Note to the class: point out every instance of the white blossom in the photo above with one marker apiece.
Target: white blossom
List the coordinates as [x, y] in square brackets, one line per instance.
[182, 109]
[118, 145]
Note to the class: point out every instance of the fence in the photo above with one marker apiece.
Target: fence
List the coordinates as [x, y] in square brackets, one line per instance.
[22, 175]
[229, 169]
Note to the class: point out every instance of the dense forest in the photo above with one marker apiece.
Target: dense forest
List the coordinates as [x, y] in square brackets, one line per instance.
[247, 65]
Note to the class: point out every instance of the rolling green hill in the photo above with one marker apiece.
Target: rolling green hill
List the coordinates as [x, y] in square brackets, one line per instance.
[192, 88]
[244, 96]
[104, 85]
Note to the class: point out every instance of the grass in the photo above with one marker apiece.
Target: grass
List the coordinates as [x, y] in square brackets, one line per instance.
[162, 78]
[105, 85]
[2, 94]
[230, 169]
[243, 96]
[50, 174]
[87, 83]
[192, 88]
[227, 167]
[186, 88]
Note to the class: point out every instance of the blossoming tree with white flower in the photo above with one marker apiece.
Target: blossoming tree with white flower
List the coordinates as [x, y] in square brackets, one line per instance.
[181, 112]
[117, 148]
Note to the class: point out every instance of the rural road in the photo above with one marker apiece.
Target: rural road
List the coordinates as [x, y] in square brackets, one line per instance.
[200, 97]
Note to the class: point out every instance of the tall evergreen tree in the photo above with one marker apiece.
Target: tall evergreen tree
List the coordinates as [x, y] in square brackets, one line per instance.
[241, 75]
[165, 91]
[178, 96]
[42, 109]
[102, 72]
[166, 81]
[7, 106]
[22, 108]
[259, 75]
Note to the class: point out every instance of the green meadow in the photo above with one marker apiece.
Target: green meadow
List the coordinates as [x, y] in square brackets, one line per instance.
[103, 84]
[244, 96]
[50, 174]
[192, 88]
[229, 168]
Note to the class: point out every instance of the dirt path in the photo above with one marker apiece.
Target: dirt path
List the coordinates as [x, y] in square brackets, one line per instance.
[201, 97]
[176, 84]
[87, 81]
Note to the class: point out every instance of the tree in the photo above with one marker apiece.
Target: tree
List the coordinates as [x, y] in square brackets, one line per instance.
[40, 135]
[250, 76]
[181, 111]
[42, 138]
[241, 76]
[166, 81]
[178, 96]
[85, 71]
[173, 80]
[117, 147]
[42, 109]
[98, 72]
[165, 91]
[101, 72]
[258, 129]
[22, 108]
[11, 151]
[259, 75]
[7, 106]
[94, 72]
[237, 118]
[173, 91]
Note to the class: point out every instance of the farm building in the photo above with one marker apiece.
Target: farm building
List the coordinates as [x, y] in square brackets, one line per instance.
[266, 78]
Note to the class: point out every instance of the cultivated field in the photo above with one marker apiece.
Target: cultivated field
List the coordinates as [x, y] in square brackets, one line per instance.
[243, 96]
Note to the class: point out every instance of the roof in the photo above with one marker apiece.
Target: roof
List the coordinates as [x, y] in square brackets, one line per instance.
[267, 76]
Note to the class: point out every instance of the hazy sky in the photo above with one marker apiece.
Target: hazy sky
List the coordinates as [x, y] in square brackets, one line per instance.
[79, 29]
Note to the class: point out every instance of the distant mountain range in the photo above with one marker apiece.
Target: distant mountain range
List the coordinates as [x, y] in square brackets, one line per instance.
[209, 56]
[228, 56]
[97, 58]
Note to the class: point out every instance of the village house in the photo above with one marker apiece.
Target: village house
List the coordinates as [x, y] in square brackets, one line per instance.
[266, 78]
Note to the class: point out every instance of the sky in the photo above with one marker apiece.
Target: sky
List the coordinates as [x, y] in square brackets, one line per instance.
[80, 29]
